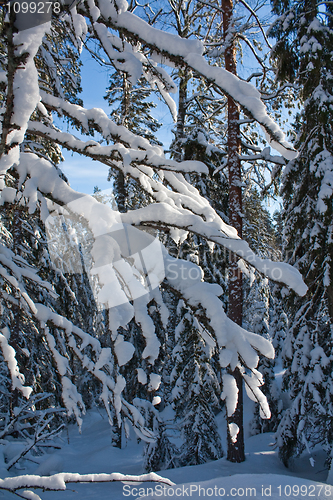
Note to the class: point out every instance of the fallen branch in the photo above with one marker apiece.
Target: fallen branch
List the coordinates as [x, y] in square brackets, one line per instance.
[58, 482]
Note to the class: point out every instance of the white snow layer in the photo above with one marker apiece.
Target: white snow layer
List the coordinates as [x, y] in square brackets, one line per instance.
[142, 376]
[25, 90]
[154, 382]
[233, 430]
[167, 43]
[59, 481]
[252, 384]
[8, 353]
[124, 350]
[230, 393]
[273, 486]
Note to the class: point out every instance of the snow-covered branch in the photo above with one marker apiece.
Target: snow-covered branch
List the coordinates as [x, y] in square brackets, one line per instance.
[105, 154]
[189, 53]
[59, 482]
[169, 212]
[22, 90]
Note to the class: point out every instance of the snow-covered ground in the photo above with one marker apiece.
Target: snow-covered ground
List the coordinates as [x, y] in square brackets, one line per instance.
[261, 475]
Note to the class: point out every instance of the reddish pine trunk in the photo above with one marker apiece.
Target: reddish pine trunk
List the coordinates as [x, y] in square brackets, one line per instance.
[235, 450]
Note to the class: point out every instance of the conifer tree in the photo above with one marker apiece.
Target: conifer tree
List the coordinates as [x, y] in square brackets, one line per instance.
[131, 107]
[195, 138]
[307, 193]
[260, 233]
[195, 392]
[24, 241]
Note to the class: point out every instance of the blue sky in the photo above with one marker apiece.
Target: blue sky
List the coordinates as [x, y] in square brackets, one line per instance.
[84, 173]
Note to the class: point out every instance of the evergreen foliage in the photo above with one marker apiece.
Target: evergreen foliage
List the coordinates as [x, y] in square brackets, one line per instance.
[195, 392]
[258, 297]
[304, 31]
[131, 107]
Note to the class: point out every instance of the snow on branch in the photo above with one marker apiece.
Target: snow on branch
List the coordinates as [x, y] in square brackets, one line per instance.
[95, 150]
[101, 219]
[186, 52]
[123, 278]
[22, 91]
[96, 118]
[18, 266]
[236, 345]
[99, 364]
[8, 353]
[129, 59]
[21, 294]
[58, 482]
[163, 213]
[197, 215]
[59, 331]
[252, 384]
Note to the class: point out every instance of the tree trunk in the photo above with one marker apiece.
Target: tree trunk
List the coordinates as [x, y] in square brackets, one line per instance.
[180, 129]
[16, 325]
[120, 181]
[120, 188]
[116, 439]
[235, 449]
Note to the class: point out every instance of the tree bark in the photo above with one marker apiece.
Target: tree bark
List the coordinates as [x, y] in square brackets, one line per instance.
[12, 65]
[236, 451]
[120, 181]
[180, 129]
[120, 188]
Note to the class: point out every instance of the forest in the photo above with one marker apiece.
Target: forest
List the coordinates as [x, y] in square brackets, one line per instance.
[190, 306]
